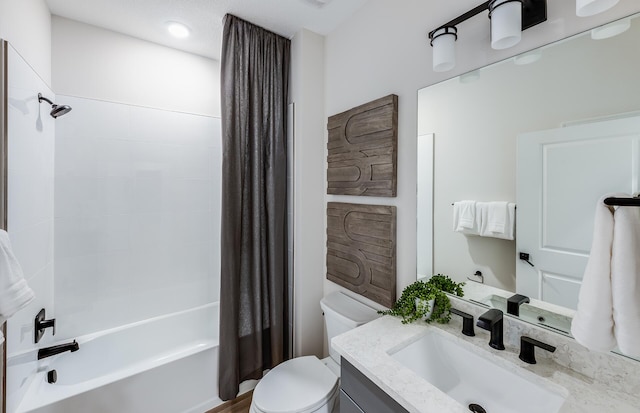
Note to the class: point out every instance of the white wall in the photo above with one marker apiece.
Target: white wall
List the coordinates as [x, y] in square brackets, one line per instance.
[26, 24]
[383, 49]
[137, 214]
[307, 91]
[31, 134]
[100, 64]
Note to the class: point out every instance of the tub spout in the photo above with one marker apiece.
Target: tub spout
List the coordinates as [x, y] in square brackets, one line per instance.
[61, 348]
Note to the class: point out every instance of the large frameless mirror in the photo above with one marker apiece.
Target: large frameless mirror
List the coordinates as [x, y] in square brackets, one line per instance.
[491, 129]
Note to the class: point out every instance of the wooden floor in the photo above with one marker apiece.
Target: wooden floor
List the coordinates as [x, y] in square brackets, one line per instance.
[238, 405]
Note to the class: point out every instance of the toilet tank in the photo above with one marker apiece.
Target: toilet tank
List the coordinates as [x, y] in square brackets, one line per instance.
[343, 313]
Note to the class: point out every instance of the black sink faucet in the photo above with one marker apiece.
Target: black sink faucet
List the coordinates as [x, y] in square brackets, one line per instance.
[492, 321]
[60, 348]
[514, 302]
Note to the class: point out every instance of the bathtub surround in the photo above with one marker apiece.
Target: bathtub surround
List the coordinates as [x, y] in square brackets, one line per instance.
[136, 214]
[170, 172]
[145, 223]
[253, 290]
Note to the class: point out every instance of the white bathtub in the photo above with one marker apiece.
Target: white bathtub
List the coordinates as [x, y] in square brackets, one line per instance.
[168, 364]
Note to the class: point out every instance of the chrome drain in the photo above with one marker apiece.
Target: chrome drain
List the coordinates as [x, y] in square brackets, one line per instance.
[476, 408]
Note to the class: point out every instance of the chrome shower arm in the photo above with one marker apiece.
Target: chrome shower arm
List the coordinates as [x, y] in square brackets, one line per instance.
[41, 98]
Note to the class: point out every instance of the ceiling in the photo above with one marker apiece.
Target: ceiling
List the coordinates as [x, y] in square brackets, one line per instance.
[146, 19]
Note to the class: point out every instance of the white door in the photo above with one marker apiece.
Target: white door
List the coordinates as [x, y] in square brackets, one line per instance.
[561, 174]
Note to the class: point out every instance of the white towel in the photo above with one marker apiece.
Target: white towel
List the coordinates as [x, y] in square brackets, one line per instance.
[464, 217]
[625, 279]
[497, 214]
[14, 291]
[592, 325]
[497, 219]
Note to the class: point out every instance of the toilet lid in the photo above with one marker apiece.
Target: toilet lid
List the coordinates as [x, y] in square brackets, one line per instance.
[297, 385]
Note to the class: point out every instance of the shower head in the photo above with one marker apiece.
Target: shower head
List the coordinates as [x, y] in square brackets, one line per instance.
[56, 110]
[59, 110]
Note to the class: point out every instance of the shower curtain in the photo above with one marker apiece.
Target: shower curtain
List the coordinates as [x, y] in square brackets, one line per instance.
[253, 307]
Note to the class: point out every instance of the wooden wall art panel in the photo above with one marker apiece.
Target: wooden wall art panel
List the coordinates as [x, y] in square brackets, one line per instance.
[363, 149]
[361, 249]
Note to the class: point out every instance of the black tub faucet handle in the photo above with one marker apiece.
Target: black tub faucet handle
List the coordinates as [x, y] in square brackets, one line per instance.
[40, 324]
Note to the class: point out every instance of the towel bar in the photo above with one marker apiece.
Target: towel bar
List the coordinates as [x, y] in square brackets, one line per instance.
[516, 207]
[622, 201]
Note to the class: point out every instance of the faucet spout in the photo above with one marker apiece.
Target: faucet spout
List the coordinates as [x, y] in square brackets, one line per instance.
[514, 302]
[60, 348]
[492, 321]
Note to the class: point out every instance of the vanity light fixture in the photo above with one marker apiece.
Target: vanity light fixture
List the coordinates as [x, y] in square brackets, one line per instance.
[585, 8]
[506, 23]
[508, 19]
[443, 42]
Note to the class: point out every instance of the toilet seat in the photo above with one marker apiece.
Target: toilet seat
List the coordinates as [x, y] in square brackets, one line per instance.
[302, 384]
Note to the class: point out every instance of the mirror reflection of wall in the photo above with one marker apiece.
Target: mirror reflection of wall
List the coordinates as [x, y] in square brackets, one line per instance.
[477, 118]
[424, 218]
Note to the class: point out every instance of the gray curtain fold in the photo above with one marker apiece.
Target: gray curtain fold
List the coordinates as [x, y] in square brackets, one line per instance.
[253, 287]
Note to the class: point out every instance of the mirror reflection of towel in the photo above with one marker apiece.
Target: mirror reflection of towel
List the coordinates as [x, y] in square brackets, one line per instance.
[464, 217]
[15, 293]
[497, 219]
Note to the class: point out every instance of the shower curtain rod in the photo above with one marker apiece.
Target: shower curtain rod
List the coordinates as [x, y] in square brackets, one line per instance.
[623, 201]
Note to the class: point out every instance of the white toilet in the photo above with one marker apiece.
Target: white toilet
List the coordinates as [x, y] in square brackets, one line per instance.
[308, 384]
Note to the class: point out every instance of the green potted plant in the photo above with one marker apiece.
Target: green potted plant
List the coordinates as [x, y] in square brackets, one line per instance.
[426, 300]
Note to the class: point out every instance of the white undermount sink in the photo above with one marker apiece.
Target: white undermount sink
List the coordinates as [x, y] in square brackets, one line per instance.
[469, 378]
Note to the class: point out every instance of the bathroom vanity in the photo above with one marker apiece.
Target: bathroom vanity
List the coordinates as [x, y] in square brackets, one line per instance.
[359, 394]
[375, 378]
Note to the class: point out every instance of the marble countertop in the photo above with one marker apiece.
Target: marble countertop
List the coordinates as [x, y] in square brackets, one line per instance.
[368, 348]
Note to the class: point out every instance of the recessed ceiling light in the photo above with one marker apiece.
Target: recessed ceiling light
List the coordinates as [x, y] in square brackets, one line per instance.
[178, 30]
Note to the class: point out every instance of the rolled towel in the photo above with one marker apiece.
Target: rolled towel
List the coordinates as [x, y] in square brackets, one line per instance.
[464, 217]
[592, 325]
[15, 293]
[625, 279]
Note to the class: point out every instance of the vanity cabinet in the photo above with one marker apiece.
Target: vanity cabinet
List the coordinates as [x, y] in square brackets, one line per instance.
[358, 394]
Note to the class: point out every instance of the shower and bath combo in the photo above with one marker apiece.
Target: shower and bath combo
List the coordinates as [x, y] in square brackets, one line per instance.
[56, 110]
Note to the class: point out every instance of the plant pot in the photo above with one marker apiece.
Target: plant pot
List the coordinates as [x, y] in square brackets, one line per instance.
[428, 304]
